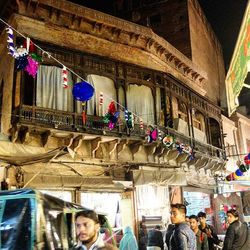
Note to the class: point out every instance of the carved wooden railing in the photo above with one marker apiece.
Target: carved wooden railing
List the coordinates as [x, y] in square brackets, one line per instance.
[62, 120]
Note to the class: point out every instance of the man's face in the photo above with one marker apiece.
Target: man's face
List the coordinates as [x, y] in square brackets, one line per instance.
[231, 218]
[177, 216]
[202, 220]
[86, 229]
[193, 224]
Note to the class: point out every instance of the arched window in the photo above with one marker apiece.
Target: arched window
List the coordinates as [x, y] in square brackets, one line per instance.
[215, 133]
[198, 120]
[141, 102]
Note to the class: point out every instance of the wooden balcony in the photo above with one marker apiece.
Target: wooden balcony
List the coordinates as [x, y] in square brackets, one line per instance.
[65, 122]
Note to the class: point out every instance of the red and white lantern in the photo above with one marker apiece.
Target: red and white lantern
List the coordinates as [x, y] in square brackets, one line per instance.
[65, 77]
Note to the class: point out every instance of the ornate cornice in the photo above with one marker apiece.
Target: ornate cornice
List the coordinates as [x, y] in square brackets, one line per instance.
[155, 52]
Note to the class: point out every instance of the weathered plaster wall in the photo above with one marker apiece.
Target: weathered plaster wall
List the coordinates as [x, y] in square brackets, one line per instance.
[206, 53]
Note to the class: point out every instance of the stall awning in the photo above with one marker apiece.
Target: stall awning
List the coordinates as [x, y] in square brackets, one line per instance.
[19, 154]
[159, 177]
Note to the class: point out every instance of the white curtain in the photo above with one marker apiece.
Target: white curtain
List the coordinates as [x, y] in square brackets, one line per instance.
[50, 92]
[141, 102]
[107, 87]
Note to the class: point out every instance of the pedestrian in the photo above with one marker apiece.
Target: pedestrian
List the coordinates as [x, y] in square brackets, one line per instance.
[208, 230]
[88, 232]
[237, 233]
[155, 239]
[182, 237]
[187, 219]
[201, 237]
[143, 236]
[128, 241]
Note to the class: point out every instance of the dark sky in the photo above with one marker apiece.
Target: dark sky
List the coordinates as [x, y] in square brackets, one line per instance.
[225, 17]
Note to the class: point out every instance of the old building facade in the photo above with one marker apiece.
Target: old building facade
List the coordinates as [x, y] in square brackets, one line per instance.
[46, 143]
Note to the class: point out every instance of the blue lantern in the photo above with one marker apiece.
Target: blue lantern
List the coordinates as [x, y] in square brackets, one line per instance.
[83, 91]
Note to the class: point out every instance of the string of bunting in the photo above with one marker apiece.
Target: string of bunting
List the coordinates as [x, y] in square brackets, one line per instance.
[240, 172]
[27, 59]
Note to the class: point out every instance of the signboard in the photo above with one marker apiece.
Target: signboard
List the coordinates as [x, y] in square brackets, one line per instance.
[239, 66]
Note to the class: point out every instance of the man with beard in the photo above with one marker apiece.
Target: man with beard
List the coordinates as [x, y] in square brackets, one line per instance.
[87, 231]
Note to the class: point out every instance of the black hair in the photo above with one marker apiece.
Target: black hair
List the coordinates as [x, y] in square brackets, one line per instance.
[88, 214]
[180, 207]
[158, 227]
[234, 212]
[202, 214]
[193, 217]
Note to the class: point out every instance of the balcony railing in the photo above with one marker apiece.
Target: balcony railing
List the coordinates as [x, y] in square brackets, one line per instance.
[68, 121]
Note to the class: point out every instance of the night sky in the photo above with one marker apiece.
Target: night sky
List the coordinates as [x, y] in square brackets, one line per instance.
[225, 17]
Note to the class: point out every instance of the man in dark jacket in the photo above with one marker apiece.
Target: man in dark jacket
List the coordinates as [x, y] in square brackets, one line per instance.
[208, 230]
[155, 238]
[182, 237]
[237, 233]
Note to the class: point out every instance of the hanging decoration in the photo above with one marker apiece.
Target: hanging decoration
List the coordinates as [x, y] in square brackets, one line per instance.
[29, 45]
[243, 168]
[84, 116]
[10, 41]
[168, 141]
[152, 134]
[32, 67]
[160, 137]
[129, 119]
[141, 124]
[247, 159]
[101, 99]
[83, 91]
[21, 58]
[65, 77]
[111, 117]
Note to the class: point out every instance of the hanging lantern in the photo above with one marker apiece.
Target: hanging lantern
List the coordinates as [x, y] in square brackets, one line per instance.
[243, 168]
[237, 174]
[83, 91]
[247, 159]
[230, 177]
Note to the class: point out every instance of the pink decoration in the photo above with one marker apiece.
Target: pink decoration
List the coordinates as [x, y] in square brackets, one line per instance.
[32, 67]
[111, 125]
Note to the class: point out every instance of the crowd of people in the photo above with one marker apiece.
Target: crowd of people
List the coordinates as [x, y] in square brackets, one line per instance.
[184, 233]
[193, 233]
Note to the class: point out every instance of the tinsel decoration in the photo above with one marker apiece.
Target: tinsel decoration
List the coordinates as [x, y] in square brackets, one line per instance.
[65, 77]
[10, 41]
[152, 134]
[111, 117]
[32, 67]
[129, 119]
[21, 58]
[36, 57]
[101, 99]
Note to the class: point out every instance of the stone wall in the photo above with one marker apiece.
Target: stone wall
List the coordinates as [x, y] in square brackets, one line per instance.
[207, 53]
